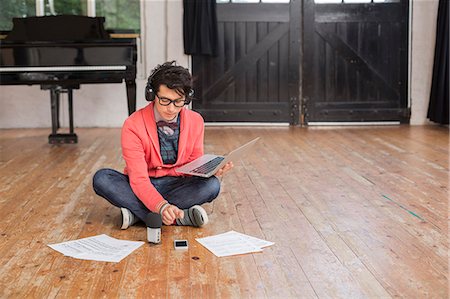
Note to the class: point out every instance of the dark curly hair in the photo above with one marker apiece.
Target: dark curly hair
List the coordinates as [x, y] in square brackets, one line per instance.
[174, 76]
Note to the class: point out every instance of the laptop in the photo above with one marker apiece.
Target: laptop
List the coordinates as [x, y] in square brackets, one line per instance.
[208, 164]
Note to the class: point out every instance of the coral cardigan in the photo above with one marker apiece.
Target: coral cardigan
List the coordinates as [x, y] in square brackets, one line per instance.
[141, 151]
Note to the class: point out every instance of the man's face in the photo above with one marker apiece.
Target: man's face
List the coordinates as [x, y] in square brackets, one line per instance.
[170, 111]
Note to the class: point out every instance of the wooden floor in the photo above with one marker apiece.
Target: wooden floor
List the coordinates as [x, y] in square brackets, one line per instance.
[353, 212]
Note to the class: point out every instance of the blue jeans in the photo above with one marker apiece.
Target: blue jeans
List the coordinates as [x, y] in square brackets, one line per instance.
[183, 192]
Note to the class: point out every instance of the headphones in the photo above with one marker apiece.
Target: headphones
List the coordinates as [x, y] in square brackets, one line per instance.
[150, 92]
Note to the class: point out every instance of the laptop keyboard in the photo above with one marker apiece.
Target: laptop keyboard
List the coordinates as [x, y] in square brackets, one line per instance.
[208, 166]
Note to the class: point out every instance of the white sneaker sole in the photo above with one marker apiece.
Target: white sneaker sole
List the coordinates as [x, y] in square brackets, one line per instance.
[199, 215]
[125, 218]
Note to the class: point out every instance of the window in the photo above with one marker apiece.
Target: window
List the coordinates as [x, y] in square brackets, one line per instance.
[65, 7]
[357, 1]
[120, 15]
[354, 1]
[253, 1]
[327, 1]
[15, 8]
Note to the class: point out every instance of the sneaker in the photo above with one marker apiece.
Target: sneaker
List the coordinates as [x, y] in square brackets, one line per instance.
[128, 218]
[199, 216]
[194, 216]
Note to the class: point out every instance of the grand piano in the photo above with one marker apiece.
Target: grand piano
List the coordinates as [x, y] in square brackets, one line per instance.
[60, 53]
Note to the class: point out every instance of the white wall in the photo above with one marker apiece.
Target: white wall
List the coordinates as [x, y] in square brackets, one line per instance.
[424, 19]
[105, 105]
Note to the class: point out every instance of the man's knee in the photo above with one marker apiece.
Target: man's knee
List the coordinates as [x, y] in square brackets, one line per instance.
[214, 186]
[101, 179]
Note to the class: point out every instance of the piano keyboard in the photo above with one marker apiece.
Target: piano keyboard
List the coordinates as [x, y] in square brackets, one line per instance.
[64, 68]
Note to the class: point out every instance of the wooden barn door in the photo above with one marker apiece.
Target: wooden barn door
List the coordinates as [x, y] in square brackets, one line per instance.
[355, 64]
[255, 78]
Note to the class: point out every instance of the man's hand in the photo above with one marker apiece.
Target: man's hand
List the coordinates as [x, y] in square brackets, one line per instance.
[170, 214]
[225, 169]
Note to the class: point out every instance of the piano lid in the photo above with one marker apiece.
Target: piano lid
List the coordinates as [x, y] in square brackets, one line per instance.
[58, 28]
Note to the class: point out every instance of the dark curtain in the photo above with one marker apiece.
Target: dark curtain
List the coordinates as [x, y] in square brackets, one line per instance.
[200, 27]
[438, 109]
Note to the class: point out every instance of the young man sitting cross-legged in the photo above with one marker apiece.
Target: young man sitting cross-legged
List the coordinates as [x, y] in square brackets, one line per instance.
[156, 140]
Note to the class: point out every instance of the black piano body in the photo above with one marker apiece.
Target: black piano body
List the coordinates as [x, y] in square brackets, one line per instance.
[60, 53]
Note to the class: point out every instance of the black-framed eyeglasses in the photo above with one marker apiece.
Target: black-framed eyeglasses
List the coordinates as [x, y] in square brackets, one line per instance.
[177, 102]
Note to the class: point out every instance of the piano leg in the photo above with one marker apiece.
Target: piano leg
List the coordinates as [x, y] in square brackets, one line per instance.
[55, 137]
[131, 95]
[54, 102]
[70, 93]
[58, 109]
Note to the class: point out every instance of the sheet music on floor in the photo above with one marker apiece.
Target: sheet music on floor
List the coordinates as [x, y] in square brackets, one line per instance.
[233, 243]
[97, 248]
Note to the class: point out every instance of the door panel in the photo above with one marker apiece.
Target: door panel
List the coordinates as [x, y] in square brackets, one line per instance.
[355, 62]
[251, 79]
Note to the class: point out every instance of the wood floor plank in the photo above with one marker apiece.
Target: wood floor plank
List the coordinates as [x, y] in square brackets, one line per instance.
[335, 193]
[354, 213]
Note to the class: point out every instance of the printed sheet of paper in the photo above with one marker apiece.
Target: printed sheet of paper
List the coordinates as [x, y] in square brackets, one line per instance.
[98, 248]
[232, 243]
[255, 241]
